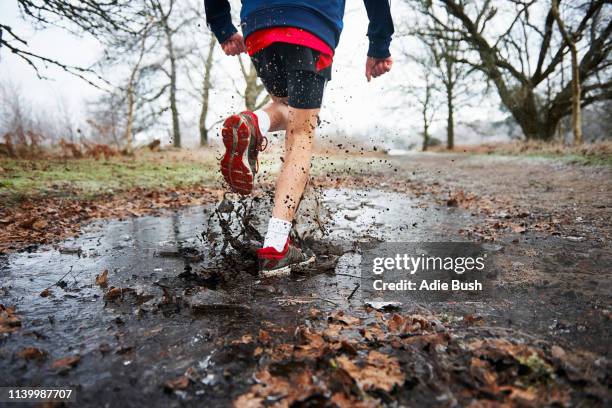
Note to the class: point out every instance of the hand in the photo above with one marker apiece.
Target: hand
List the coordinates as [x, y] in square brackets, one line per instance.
[376, 67]
[234, 45]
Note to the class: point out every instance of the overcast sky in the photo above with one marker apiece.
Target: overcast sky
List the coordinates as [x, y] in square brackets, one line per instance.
[351, 103]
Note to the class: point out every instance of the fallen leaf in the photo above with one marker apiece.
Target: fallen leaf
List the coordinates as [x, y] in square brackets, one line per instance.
[483, 372]
[179, 383]
[114, 293]
[340, 317]
[379, 371]
[524, 398]
[245, 339]
[102, 279]
[32, 353]
[66, 363]
[332, 331]
[396, 322]
[264, 337]
[312, 344]
[372, 333]
[249, 400]
[474, 320]
[9, 321]
[40, 224]
[517, 229]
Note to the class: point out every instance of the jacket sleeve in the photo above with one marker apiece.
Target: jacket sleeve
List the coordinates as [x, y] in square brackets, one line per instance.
[380, 28]
[219, 19]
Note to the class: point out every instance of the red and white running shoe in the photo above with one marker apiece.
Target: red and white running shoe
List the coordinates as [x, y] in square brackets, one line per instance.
[243, 141]
[280, 263]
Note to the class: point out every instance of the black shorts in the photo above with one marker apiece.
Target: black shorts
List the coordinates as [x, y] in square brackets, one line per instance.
[289, 70]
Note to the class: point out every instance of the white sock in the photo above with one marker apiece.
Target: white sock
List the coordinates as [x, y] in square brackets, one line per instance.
[278, 232]
[264, 121]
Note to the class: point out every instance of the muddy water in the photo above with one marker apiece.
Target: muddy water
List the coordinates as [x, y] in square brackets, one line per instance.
[182, 300]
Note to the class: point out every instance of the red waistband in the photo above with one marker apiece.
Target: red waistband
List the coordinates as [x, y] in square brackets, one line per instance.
[261, 39]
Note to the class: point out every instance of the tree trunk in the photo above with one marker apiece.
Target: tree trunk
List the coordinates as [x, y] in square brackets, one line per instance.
[130, 95]
[576, 111]
[535, 123]
[205, 93]
[176, 131]
[425, 129]
[251, 91]
[130, 118]
[450, 120]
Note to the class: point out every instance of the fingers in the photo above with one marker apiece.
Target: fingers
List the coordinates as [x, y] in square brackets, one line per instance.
[381, 67]
[234, 45]
[368, 68]
[241, 46]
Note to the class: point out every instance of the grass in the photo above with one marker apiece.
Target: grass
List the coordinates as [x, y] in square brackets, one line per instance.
[87, 178]
[591, 154]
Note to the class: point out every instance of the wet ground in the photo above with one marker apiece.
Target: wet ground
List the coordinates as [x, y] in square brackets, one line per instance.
[172, 301]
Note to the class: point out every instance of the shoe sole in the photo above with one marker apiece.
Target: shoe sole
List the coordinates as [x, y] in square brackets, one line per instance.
[236, 139]
[286, 270]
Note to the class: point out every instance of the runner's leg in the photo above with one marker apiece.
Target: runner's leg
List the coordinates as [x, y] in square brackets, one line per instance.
[299, 139]
[277, 111]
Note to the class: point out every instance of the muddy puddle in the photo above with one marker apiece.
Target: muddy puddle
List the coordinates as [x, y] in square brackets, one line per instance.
[172, 298]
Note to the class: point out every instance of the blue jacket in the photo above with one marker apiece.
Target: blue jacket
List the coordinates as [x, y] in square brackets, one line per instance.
[323, 18]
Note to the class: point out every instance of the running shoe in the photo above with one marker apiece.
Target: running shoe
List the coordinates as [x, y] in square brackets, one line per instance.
[243, 141]
[274, 263]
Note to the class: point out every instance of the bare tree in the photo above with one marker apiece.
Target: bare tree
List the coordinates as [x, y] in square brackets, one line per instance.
[131, 89]
[446, 50]
[90, 16]
[107, 119]
[505, 55]
[253, 88]
[422, 88]
[19, 128]
[428, 110]
[153, 51]
[169, 31]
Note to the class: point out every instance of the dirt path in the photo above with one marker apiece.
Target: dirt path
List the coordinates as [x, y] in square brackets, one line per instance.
[175, 323]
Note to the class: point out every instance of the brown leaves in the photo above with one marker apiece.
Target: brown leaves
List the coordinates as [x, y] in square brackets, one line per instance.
[116, 293]
[372, 333]
[46, 292]
[45, 220]
[379, 371]
[245, 339]
[459, 198]
[102, 279]
[312, 345]
[340, 317]
[328, 363]
[482, 371]
[264, 337]
[499, 349]
[40, 224]
[179, 383]
[9, 321]
[66, 363]
[32, 353]
[300, 387]
[410, 323]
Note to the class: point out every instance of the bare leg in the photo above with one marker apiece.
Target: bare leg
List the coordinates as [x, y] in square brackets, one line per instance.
[278, 111]
[294, 173]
